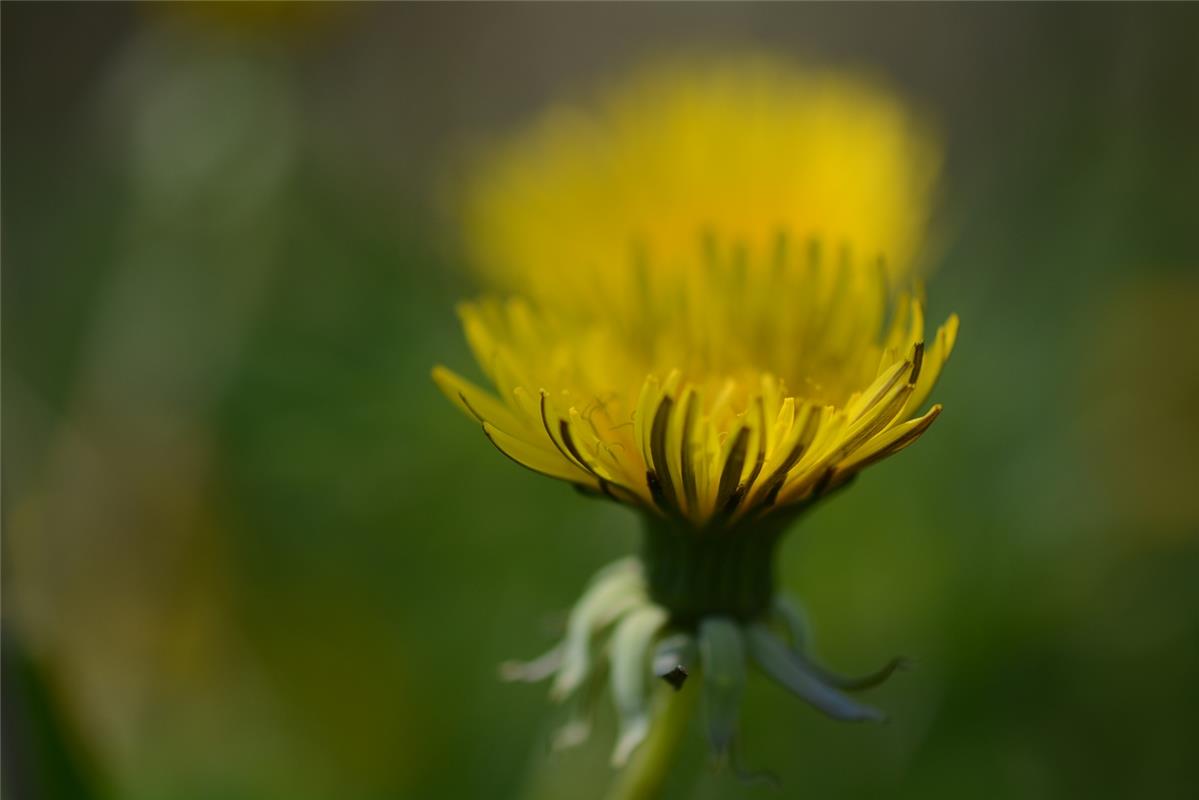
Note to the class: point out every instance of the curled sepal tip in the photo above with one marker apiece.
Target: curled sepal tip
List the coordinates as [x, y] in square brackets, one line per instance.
[674, 658]
[577, 728]
[860, 682]
[749, 776]
[572, 734]
[794, 620]
[793, 673]
[533, 671]
[722, 656]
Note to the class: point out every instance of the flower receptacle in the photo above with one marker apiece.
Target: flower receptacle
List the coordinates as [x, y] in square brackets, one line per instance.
[697, 573]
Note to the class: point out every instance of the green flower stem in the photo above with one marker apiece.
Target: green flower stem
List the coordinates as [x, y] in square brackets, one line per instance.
[650, 765]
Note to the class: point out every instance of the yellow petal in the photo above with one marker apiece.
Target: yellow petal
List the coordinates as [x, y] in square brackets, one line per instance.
[889, 442]
[536, 458]
[475, 401]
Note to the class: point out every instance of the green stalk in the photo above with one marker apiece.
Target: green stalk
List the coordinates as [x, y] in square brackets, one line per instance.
[650, 765]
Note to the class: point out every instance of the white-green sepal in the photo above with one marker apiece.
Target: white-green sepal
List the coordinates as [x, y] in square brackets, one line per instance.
[616, 589]
[722, 656]
[795, 619]
[533, 671]
[793, 673]
[629, 655]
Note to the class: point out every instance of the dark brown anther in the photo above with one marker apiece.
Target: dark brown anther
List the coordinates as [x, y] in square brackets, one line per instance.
[676, 677]
[655, 491]
[917, 362]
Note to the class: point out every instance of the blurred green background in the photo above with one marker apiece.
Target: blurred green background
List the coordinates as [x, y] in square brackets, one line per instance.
[250, 552]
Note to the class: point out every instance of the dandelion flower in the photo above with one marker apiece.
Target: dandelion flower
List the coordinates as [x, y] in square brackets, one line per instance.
[719, 355]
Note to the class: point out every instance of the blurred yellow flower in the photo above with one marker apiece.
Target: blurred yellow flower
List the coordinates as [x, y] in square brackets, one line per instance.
[703, 322]
[742, 148]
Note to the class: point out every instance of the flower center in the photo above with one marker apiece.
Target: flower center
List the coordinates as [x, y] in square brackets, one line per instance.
[710, 572]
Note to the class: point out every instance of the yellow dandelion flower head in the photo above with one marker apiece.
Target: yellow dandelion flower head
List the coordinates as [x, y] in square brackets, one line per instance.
[724, 408]
[699, 309]
[744, 147]
[696, 330]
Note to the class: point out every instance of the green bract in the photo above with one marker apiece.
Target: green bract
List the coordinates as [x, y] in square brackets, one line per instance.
[697, 622]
